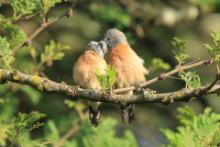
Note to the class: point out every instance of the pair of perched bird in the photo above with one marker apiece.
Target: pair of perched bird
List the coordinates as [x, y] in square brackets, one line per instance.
[128, 66]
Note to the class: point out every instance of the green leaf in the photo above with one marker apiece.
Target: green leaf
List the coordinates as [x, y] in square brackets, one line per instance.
[179, 52]
[15, 35]
[3, 133]
[6, 57]
[108, 79]
[53, 51]
[196, 130]
[3, 19]
[29, 121]
[191, 79]
[105, 135]
[21, 124]
[158, 63]
[51, 131]
[25, 7]
[214, 50]
[47, 4]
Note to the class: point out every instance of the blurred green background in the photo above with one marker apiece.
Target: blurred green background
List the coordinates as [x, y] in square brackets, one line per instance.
[149, 25]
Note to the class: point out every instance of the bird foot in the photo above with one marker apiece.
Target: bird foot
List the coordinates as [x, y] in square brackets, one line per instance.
[94, 116]
[127, 114]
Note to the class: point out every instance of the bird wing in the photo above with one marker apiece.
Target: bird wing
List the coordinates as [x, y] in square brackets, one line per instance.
[129, 66]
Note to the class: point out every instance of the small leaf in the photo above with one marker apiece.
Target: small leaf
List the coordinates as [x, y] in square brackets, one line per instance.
[47, 4]
[6, 57]
[25, 7]
[51, 131]
[179, 52]
[158, 63]
[53, 51]
[15, 35]
[191, 79]
[214, 50]
[108, 79]
[195, 130]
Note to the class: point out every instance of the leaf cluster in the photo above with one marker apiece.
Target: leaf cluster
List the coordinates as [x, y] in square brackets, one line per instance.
[214, 49]
[6, 57]
[157, 63]
[191, 79]
[53, 51]
[196, 130]
[108, 79]
[16, 131]
[29, 7]
[180, 48]
[104, 135]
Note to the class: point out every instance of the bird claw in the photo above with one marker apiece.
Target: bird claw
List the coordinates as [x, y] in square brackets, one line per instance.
[94, 116]
[127, 113]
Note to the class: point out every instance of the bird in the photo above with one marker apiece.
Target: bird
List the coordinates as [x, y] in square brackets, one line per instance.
[84, 73]
[129, 67]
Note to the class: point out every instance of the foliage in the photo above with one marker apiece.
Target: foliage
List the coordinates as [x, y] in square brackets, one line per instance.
[214, 49]
[53, 51]
[6, 57]
[109, 13]
[108, 79]
[14, 34]
[179, 52]
[196, 130]
[15, 131]
[212, 3]
[158, 63]
[47, 4]
[104, 134]
[25, 7]
[191, 79]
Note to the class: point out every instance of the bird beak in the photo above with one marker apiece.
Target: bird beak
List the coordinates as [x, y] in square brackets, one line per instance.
[103, 46]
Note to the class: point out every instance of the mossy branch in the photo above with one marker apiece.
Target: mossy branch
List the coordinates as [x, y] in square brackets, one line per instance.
[146, 96]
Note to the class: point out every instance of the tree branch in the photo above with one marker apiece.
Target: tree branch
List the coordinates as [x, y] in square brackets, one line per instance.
[43, 26]
[147, 96]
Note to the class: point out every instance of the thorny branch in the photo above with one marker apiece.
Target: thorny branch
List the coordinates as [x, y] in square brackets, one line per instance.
[146, 96]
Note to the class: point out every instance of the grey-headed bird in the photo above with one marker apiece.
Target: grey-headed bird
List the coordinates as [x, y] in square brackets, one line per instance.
[129, 67]
[84, 73]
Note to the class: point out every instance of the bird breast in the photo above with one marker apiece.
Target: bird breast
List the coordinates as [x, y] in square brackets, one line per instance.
[85, 69]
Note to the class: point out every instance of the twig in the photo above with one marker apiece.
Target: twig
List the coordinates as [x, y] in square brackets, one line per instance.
[164, 76]
[213, 83]
[43, 26]
[27, 17]
[69, 134]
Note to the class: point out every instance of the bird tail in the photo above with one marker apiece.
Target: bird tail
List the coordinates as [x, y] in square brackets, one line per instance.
[127, 113]
[94, 114]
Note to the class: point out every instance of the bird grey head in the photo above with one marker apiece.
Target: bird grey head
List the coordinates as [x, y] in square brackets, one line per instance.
[113, 37]
[99, 47]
